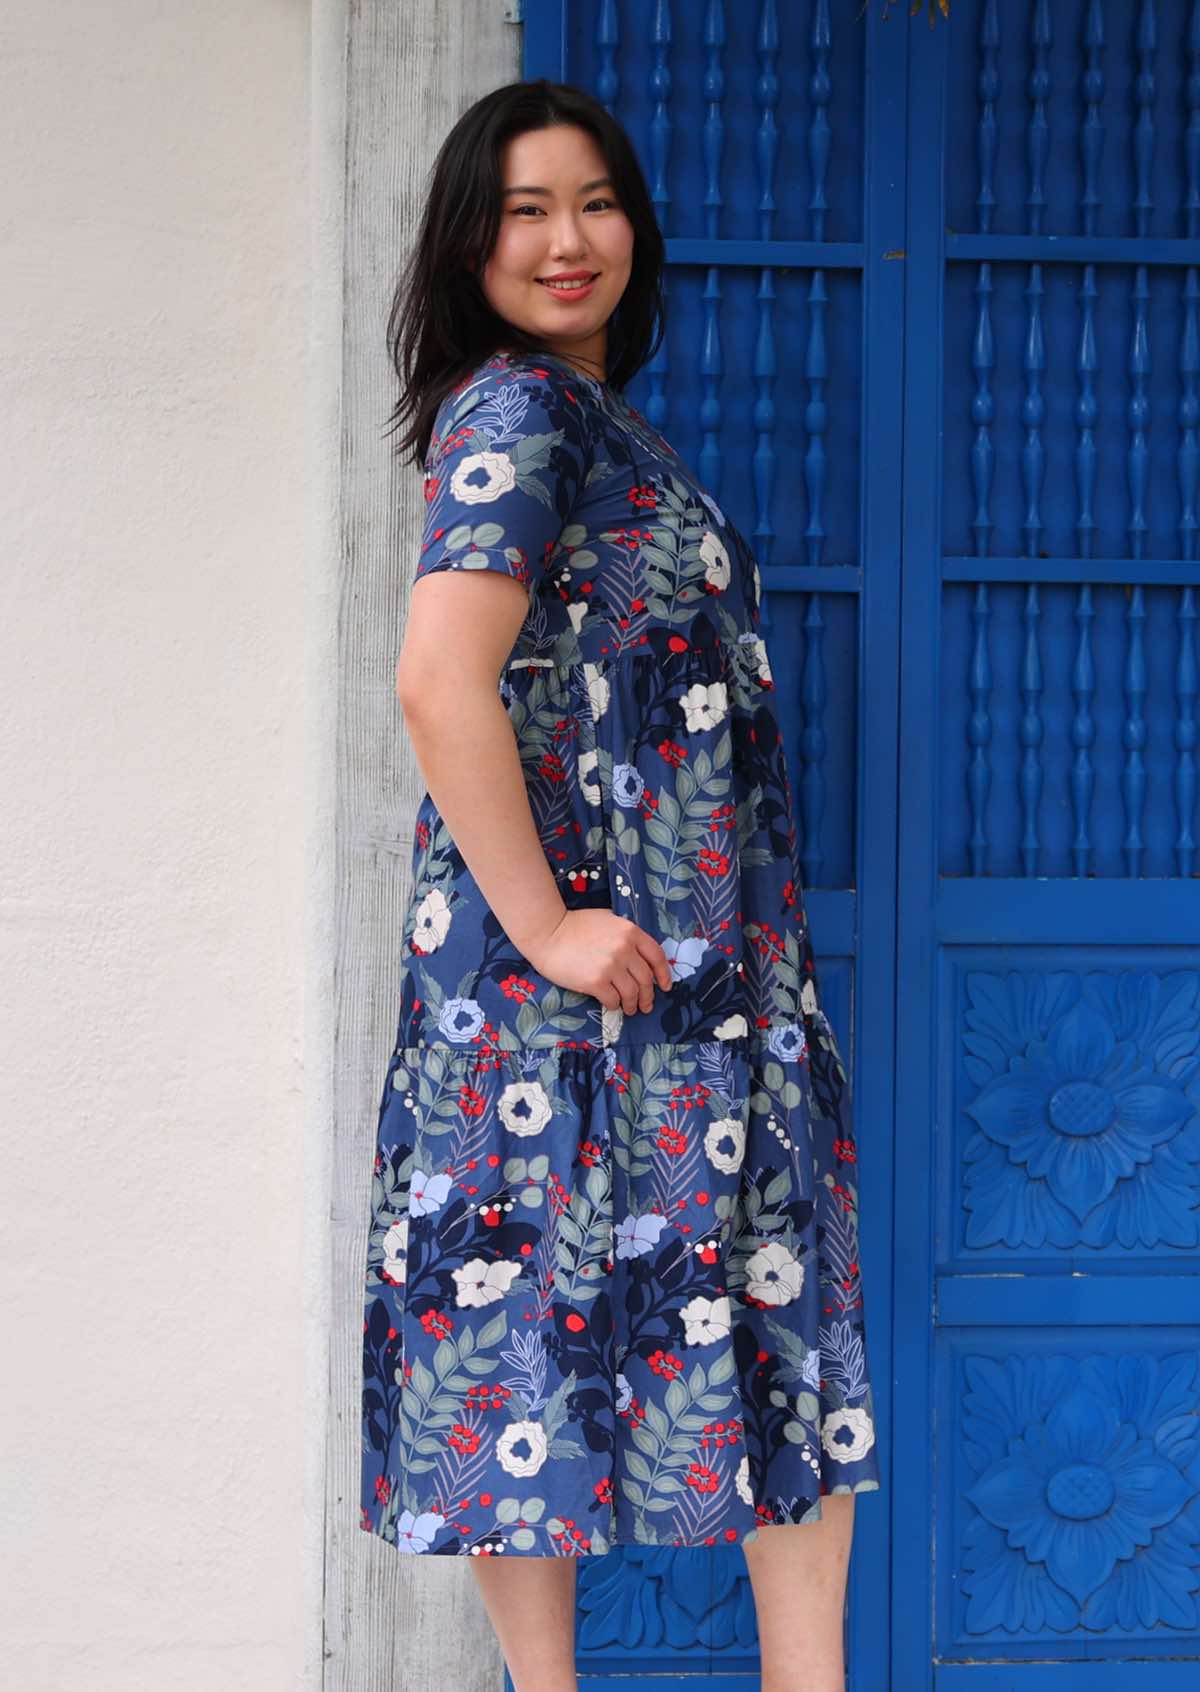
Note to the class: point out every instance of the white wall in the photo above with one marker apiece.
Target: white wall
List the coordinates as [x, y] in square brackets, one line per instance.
[168, 354]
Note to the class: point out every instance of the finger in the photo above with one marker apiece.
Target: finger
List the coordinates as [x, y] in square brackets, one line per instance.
[639, 967]
[644, 982]
[650, 949]
[629, 988]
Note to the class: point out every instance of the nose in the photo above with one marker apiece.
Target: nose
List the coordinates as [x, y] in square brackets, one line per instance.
[568, 241]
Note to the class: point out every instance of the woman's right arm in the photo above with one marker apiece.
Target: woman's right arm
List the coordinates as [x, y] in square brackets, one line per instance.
[460, 728]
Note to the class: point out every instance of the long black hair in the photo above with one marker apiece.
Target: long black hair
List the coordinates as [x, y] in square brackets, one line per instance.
[441, 324]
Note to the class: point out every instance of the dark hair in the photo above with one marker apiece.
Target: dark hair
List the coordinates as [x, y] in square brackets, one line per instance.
[441, 324]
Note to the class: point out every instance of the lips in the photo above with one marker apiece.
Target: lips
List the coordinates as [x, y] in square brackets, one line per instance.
[584, 279]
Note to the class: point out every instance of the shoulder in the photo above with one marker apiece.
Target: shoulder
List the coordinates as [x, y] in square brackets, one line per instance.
[510, 396]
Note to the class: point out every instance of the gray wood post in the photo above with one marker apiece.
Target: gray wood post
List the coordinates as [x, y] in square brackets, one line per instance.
[412, 67]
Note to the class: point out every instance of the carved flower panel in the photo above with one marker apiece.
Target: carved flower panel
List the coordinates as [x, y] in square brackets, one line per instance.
[1078, 1498]
[1083, 1090]
[653, 1605]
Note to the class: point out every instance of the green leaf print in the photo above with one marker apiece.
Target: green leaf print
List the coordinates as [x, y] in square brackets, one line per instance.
[555, 1412]
[565, 1448]
[792, 1351]
[493, 1331]
[779, 1188]
[665, 1440]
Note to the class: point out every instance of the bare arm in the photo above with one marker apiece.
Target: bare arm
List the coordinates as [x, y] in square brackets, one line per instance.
[459, 727]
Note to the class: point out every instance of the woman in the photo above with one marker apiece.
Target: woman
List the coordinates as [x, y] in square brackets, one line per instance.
[613, 1291]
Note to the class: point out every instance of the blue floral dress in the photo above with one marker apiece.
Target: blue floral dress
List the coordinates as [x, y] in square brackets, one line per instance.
[612, 1283]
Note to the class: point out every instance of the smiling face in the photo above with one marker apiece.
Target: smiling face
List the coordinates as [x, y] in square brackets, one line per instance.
[559, 217]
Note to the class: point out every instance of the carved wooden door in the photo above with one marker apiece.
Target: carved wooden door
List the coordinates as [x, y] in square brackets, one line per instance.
[1045, 1417]
[935, 343]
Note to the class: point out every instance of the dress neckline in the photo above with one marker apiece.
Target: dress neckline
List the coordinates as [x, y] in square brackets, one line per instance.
[594, 382]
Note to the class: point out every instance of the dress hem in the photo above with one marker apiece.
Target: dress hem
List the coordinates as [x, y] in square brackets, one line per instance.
[486, 1542]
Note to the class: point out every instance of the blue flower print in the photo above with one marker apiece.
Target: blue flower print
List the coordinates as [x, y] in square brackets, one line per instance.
[637, 1235]
[427, 1193]
[627, 786]
[417, 1533]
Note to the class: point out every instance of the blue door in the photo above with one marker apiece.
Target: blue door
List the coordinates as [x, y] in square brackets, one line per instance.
[934, 341]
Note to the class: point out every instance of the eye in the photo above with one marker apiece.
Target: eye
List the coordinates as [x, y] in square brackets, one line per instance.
[597, 202]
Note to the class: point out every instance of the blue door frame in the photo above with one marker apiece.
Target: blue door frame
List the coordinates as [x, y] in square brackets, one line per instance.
[1047, 1335]
[961, 262]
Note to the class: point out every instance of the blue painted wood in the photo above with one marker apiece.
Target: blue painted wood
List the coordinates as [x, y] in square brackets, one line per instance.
[1050, 1677]
[934, 300]
[1005, 911]
[1048, 1226]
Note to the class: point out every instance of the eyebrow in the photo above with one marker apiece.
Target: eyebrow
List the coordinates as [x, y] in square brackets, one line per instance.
[600, 182]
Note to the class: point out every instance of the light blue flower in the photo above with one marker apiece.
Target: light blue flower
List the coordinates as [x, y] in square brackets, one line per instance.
[624, 1392]
[628, 785]
[427, 1193]
[684, 955]
[637, 1235]
[788, 1043]
[417, 1533]
[461, 1020]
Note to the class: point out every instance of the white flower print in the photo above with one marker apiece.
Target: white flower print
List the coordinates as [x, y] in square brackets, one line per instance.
[762, 659]
[610, 1025]
[586, 764]
[706, 1319]
[577, 610]
[716, 561]
[535, 1434]
[432, 922]
[742, 1480]
[499, 469]
[598, 689]
[773, 1274]
[524, 1108]
[395, 1251]
[704, 705]
[726, 1128]
[861, 1428]
[481, 1282]
[732, 1028]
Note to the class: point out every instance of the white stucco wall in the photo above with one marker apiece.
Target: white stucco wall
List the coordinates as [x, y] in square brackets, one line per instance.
[168, 351]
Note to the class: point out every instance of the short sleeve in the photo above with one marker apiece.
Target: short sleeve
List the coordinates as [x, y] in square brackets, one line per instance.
[508, 459]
